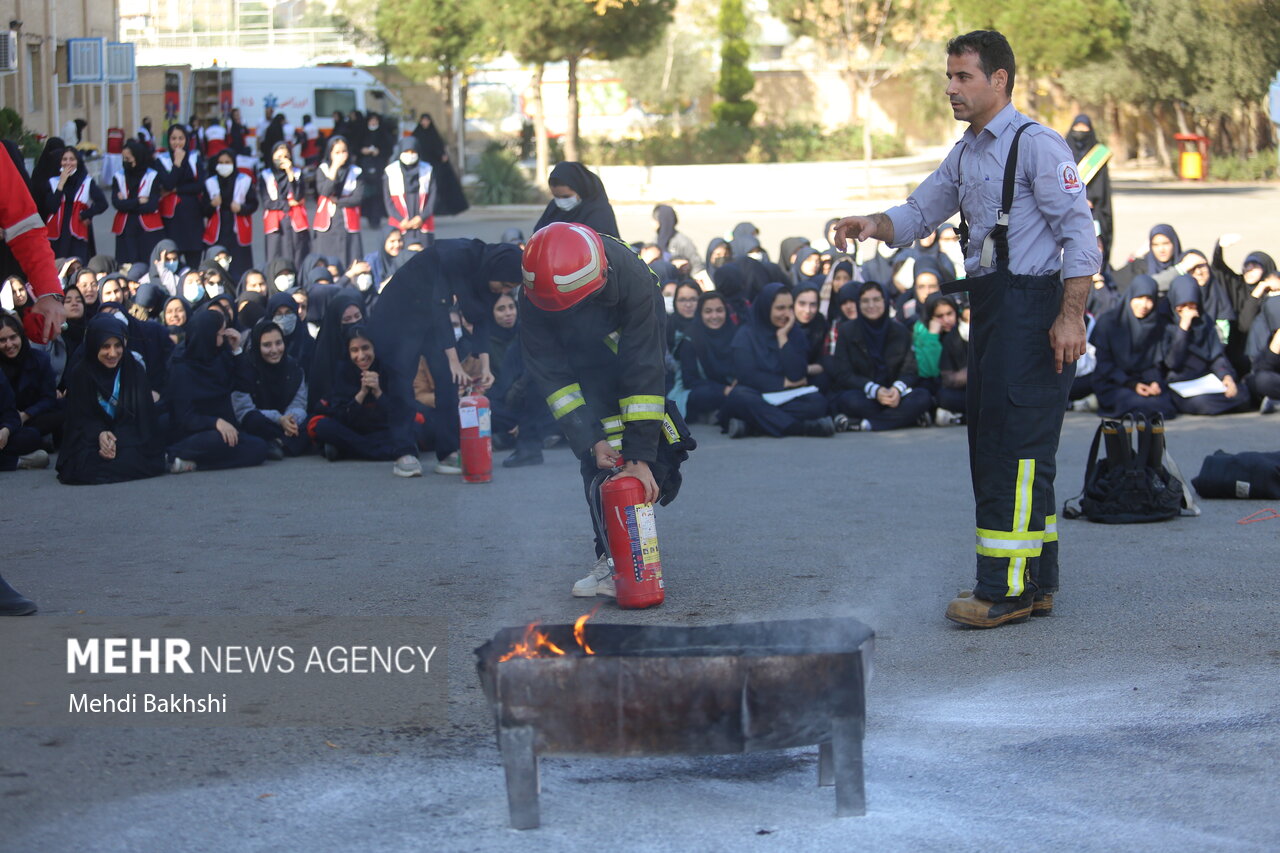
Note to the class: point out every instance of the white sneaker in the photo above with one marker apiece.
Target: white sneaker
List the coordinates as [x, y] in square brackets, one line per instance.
[451, 464]
[1268, 406]
[33, 460]
[181, 466]
[407, 466]
[1090, 403]
[598, 582]
[946, 417]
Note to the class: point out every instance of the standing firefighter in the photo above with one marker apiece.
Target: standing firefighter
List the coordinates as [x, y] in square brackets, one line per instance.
[1026, 225]
[591, 329]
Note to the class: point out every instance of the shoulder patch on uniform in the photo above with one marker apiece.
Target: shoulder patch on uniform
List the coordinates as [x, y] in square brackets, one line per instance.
[1069, 177]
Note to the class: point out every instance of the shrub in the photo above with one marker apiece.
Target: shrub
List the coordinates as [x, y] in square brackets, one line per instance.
[723, 143]
[500, 179]
[1259, 167]
[11, 127]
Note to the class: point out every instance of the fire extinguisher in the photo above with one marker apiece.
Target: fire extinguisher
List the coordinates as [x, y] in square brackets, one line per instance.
[626, 525]
[476, 441]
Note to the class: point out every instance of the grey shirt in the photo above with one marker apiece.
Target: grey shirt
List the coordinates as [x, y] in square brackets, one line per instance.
[1050, 226]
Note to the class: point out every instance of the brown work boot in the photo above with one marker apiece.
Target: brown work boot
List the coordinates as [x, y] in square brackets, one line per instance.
[1042, 604]
[968, 609]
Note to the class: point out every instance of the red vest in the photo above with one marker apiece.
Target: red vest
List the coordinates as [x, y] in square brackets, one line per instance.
[326, 206]
[150, 221]
[169, 201]
[244, 225]
[79, 202]
[395, 189]
[271, 219]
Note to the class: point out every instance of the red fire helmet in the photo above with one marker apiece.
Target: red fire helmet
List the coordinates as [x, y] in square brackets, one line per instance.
[564, 263]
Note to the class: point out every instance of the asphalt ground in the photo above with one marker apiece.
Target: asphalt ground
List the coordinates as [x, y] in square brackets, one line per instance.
[1142, 715]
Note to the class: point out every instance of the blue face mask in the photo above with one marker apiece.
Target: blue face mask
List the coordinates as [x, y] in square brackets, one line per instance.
[193, 292]
[287, 323]
[171, 266]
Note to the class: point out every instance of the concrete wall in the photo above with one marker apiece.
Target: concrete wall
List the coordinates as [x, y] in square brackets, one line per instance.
[31, 90]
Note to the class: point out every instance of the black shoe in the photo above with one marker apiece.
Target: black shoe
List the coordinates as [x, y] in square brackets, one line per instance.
[820, 428]
[13, 603]
[275, 450]
[522, 457]
[737, 428]
[331, 453]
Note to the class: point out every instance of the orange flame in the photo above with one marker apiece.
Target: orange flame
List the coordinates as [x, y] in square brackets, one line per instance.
[580, 630]
[532, 645]
[537, 644]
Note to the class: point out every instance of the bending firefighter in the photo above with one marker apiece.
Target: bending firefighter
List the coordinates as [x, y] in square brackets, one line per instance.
[591, 330]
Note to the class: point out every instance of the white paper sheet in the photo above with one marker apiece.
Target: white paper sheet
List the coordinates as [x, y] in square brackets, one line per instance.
[1207, 384]
[777, 398]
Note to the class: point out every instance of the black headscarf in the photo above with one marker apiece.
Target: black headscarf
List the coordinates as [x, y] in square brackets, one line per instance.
[250, 309]
[816, 329]
[593, 210]
[875, 331]
[339, 174]
[745, 239]
[848, 292]
[272, 386]
[815, 280]
[90, 384]
[760, 336]
[1214, 299]
[717, 242]
[201, 366]
[77, 177]
[1205, 342]
[141, 162]
[714, 347]
[1264, 327]
[430, 143]
[1263, 260]
[279, 266]
[1154, 266]
[47, 166]
[346, 376]
[330, 349]
[1081, 141]
[1143, 335]
[12, 367]
[665, 214]
[273, 137]
[732, 285]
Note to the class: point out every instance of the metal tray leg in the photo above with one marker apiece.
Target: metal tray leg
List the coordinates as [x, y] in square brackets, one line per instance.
[846, 747]
[826, 766]
[521, 765]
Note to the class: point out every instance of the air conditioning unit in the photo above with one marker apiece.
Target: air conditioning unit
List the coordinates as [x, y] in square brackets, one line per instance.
[8, 52]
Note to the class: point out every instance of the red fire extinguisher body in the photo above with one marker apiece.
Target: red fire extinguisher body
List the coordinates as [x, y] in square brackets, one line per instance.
[476, 440]
[633, 543]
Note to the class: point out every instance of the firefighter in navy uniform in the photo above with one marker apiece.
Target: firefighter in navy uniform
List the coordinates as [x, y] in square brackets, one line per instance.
[591, 331]
[1030, 256]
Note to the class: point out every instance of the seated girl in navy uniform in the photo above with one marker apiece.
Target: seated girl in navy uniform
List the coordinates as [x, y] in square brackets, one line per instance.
[1192, 348]
[203, 429]
[770, 356]
[874, 370]
[271, 395]
[355, 417]
[1128, 376]
[706, 360]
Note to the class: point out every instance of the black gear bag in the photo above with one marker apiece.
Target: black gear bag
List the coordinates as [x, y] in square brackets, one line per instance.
[1134, 482]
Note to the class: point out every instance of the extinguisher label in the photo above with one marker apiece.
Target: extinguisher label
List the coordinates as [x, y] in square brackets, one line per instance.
[468, 416]
[485, 422]
[643, 532]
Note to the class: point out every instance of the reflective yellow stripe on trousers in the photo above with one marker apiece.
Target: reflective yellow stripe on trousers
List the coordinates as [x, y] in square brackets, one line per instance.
[1020, 543]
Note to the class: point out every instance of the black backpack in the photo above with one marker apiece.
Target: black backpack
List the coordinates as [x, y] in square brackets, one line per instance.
[1133, 483]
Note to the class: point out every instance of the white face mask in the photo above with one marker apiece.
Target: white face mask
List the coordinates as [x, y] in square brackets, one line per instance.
[567, 203]
[670, 302]
[284, 282]
[409, 158]
[193, 292]
[223, 261]
[364, 281]
[213, 290]
[225, 169]
[964, 330]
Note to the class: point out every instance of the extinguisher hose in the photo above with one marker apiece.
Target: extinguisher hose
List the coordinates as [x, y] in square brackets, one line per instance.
[597, 510]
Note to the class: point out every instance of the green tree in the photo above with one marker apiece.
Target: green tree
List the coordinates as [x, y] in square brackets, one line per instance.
[1051, 36]
[876, 39]
[669, 78]
[543, 31]
[736, 79]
